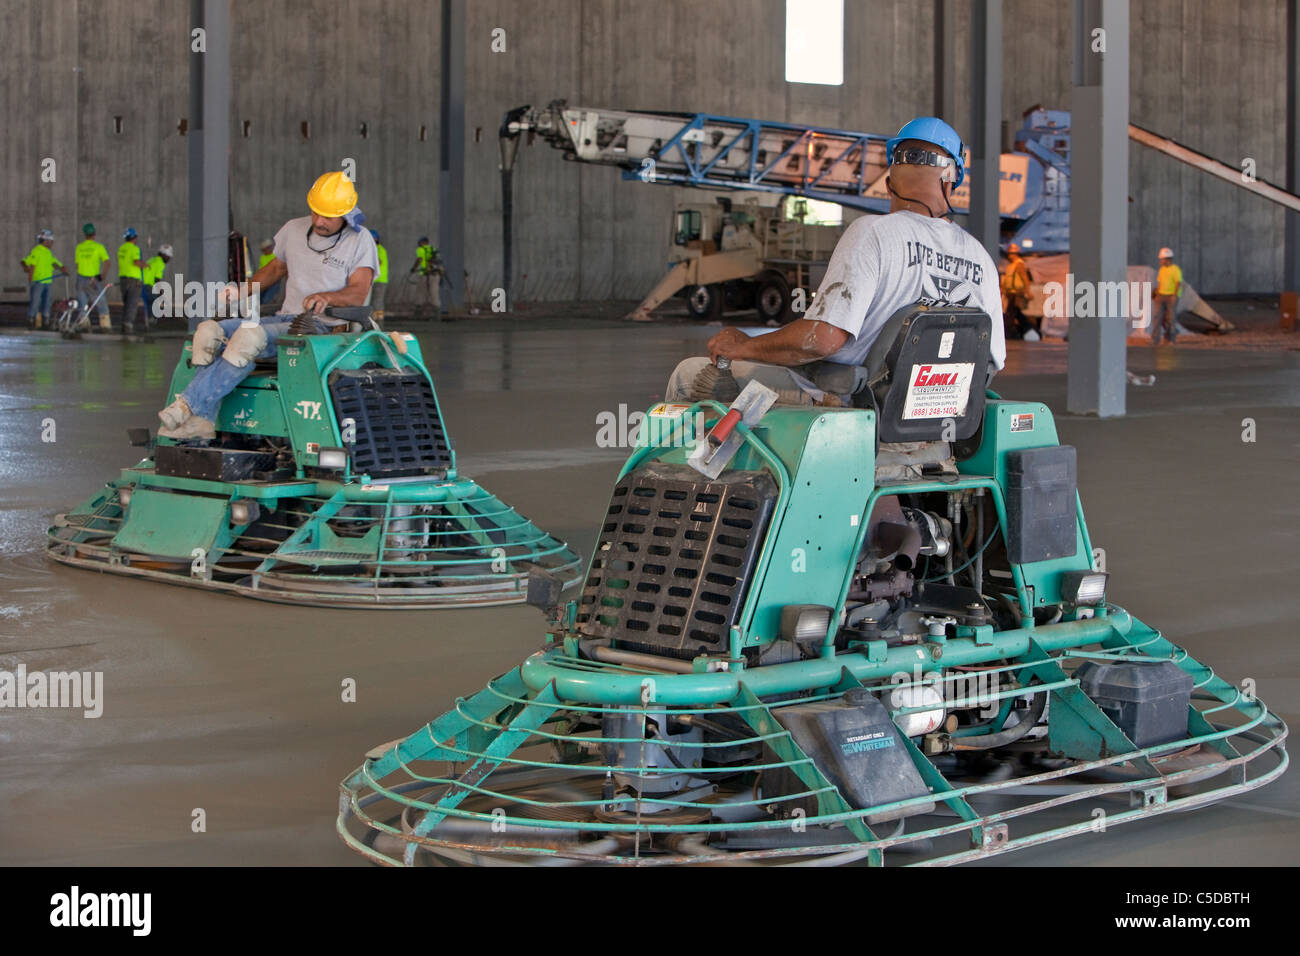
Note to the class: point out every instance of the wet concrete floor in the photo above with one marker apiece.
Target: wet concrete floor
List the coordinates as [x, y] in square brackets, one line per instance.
[234, 706]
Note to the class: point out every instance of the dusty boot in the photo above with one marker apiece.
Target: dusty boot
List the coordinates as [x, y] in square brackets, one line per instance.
[175, 414]
[105, 323]
[192, 427]
[39, 319]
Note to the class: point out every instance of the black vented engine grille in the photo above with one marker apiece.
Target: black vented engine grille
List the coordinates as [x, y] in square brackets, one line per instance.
[399, 430]
[674, 557]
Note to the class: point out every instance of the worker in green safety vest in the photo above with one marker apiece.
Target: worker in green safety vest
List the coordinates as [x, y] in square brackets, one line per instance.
[130, 278]
[153, 273]
[429, 266]
[379, 289]
[92, 262]
[39, 264]
[268, 295]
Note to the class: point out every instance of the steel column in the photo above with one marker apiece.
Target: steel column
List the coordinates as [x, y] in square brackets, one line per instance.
[1099, 202]
[451, 166]
[985, 122]
[209, 144]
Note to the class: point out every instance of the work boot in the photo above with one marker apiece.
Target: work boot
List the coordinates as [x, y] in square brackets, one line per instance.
[105, 324]
[176, 413]
[39, 318]
[192, 427]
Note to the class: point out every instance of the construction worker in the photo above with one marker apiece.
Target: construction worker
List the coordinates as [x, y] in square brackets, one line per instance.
[130, 278]
[880, 265]
[39, 264]
[324, 259]
[153, 273]
[1164, 305]
[1015, 294]
[92, 262]
[380, 288]
[271, 292]
[429, 266]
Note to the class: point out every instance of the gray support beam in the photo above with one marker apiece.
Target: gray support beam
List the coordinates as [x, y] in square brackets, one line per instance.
[1099, 204]
[209, 143]
[451, 166]
[986, 122]
[1291, 253]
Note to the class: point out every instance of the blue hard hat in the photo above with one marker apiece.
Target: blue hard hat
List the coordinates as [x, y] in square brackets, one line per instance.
[374, 234]
[129, 234]
[931, 129]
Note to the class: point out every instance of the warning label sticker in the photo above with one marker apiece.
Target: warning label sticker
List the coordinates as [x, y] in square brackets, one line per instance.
[1023, 422]
[938, 391]
[668, 410]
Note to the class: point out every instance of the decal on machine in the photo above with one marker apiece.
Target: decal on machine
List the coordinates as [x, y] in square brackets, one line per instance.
[668, 410]
[1022, 422]
[938, 391]
[308, 409]
[858, 743]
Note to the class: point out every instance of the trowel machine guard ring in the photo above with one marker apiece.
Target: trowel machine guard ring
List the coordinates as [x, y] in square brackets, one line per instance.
[661, 745]
[332, 483]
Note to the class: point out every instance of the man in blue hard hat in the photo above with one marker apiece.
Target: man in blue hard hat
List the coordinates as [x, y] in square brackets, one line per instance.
[880, 264]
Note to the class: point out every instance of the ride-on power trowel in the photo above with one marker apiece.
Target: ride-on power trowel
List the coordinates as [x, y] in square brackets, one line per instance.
[875, 633]
[332, 481]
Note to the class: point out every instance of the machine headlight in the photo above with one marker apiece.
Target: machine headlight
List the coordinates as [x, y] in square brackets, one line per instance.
[336, 459]
[805, 622]
[1084, 588]
[244, 511]
[124, 495]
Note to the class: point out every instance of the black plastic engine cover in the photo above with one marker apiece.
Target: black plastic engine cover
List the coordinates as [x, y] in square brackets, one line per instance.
[856, 745]
[399, 430]
[1042, 495]
[674, 557]
[211, 464]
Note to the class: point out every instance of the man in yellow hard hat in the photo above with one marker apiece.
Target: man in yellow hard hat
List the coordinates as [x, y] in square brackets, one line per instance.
[92, 258]
[325, 259]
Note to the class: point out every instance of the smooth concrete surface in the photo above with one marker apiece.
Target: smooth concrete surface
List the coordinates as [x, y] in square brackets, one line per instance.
[1209, 74]
[233, 706]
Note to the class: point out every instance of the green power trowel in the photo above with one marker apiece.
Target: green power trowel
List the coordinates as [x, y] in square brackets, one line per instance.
[331, 482]
[878, 634]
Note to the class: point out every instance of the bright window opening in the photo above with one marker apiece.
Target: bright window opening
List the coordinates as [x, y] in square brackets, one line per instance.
[814, 42]
[813, 212]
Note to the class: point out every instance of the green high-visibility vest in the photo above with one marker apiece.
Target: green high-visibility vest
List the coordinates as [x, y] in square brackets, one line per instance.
[383, 263]
[127, 254]
[264, 258]
[42, 261]
[153, 270]
[91, 256]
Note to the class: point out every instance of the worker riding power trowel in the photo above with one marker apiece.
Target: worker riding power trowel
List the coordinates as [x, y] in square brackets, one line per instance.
[331, 481]
[826, 635]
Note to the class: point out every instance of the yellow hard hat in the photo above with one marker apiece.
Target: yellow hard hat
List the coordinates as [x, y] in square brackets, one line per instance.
[332, 195]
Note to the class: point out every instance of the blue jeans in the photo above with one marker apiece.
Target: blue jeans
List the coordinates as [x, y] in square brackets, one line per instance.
[214, 382]
[38, 299]
[87, 288]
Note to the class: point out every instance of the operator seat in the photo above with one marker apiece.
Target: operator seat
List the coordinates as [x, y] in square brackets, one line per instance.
[926, 375]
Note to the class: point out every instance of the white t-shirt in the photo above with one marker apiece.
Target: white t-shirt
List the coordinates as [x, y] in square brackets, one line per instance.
[323, 265]
[883, 263]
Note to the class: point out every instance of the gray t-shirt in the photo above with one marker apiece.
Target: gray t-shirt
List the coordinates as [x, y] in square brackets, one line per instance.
[883, 263]
[323, 265]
